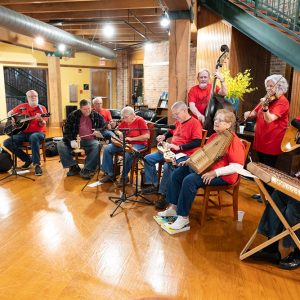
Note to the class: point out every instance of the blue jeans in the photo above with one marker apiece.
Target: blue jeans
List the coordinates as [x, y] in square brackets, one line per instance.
[107, 134]
[108, 157]
[270, 225]
[92, 152]
[14, 143]
[183, 188]
[150, 161]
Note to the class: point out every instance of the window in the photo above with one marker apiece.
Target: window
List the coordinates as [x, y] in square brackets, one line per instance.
[137, 83]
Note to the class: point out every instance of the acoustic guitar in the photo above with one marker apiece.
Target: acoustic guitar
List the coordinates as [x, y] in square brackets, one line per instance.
[21, 123]
[289, 141]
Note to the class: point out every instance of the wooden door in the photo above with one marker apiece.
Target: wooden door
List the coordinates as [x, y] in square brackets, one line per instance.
[101, 86]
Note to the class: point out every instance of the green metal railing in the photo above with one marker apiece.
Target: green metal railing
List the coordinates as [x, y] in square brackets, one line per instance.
[282, 13]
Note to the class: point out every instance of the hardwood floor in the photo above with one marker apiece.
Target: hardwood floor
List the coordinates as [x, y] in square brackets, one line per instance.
[60, 243]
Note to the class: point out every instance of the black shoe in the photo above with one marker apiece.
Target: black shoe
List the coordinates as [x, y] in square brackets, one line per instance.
[151, 189]
[73, 170]
[38, 170]
[27, 165]
[273, 257]
[161, 203]
[290, 262]
[86, 174]
[106, 178]
[120, 183]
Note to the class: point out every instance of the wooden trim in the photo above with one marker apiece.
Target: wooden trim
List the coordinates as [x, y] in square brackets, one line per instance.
[46, 65]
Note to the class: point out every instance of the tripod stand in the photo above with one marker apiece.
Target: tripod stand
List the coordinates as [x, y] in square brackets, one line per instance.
[13, 170]
[124, 197]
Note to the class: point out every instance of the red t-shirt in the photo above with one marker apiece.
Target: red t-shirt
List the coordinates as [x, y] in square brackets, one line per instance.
[105, 113]
[235, 154]
[33, 125]
[268, 136]
[186, 132]
[200, 97]
[298, 118]
[139, 125]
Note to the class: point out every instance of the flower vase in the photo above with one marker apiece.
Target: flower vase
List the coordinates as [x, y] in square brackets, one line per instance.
[234, 101]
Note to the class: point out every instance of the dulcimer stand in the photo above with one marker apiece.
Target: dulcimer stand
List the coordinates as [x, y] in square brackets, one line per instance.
[123, 197]
[14, 166]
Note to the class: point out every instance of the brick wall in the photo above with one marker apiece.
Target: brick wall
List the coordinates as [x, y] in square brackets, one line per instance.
[277, 66]
[122, 78]
[156, 72]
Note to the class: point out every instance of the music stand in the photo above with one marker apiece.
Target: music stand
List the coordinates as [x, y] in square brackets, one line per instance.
[14, 170]
[124, 197]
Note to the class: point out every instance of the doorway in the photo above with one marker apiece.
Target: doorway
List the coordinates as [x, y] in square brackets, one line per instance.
[101, 86]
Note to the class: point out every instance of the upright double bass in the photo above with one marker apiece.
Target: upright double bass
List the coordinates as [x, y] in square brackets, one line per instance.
[216, 102]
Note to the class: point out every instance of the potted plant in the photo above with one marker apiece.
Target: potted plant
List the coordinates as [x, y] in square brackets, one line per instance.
[237, 86]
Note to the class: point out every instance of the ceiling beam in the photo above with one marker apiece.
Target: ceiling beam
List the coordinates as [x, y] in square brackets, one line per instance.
[79, 6]
[178, 4]
[111, 14]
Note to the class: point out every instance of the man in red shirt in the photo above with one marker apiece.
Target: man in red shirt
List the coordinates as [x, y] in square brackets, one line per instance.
[186, 139]
[105, 113]
[199, 95]
[136, 135]
[34, 133]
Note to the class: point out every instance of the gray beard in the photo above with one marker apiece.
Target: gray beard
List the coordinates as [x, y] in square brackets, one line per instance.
[203, 86]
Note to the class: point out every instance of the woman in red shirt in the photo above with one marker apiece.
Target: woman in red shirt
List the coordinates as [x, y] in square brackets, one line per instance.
[185, 182]
[271, 120]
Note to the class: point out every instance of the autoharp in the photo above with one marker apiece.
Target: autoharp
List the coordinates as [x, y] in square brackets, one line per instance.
[287, 184]
[119, 143]
[206, 156]
[169, 156]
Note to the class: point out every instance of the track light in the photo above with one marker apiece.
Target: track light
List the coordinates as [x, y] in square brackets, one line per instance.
[108, 30]
[39, 40]
[61, 48]
[165, 21]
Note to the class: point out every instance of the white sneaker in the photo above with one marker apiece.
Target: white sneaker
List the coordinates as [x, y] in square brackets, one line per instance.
[169, 212]
[179, 223]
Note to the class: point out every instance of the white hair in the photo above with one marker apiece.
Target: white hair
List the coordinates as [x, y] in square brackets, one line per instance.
[281, 83]
[97, 98]
[179, 105]
[127, 110]
[204, 70]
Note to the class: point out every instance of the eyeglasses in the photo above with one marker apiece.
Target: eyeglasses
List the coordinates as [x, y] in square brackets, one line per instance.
[219, 120]
[176, 114]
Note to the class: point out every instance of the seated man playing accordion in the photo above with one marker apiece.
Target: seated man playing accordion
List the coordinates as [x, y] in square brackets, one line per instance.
[185, 182]
[186, 139]
[137, 134]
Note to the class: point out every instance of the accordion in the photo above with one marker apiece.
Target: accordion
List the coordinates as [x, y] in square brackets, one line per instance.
[210, 153]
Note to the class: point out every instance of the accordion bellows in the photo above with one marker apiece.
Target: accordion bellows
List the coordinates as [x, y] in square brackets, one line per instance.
[206, 156]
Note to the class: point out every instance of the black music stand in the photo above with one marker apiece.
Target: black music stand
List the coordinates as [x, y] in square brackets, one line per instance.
[124, 197]
[13, 170]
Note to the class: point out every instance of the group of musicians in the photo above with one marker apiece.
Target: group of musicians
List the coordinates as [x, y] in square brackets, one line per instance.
[179, 183]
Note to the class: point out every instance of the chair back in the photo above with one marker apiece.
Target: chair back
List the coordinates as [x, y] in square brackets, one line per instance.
[150, 126]
[146, 114]
[203, 140]
[247, 148]
[115, 114]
